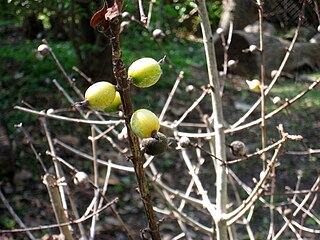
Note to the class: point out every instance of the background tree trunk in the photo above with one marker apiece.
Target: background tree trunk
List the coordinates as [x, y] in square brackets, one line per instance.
[240, 12]
[95, 56]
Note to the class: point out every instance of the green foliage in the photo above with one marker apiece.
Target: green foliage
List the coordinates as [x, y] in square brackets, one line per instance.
[215, 10]
[26, 76]
[7, 223]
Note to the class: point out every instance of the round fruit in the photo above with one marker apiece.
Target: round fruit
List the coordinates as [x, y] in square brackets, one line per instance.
[100, 95]
[114, 107]
[144, 123]
[155, 145]
[145, 72]
[254, 85]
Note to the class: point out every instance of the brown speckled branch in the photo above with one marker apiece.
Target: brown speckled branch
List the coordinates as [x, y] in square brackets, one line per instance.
[123, 85]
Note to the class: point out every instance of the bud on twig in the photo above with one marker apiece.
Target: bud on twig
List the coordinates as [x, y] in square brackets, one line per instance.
[43, 49]
[81, 179]
[219, 31]
[253, 48]
[184, 142]
[158, 34]
[238, 149]
[273, 73]
[125, 15]
[190, 89]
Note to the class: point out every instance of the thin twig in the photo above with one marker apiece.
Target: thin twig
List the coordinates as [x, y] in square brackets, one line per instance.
[47, 114]
[61, 69]
[44, 227]
[15, 216]
[143, 18]
[59, 175]
[168, 198]
[288, 103]
[312, 204]
[82, 74]
[151, 2]
[36, 154]
[173, 90]
[236, 214]
[189, 220]
[106, 183]
[276, 77]
[306, 211]
[262, 82]
[306, 198]
[305, 229]
[193, 106]
[95, 179]
[206, 201]
[101, 193]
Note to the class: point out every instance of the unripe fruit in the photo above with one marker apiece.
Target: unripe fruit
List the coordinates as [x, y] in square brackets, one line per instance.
[144, 123]
[155, 145]
[114, 107]
[145, 72]
[254, 85]
[100, 95]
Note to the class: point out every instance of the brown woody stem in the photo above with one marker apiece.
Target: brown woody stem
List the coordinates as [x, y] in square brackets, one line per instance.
[137, 156]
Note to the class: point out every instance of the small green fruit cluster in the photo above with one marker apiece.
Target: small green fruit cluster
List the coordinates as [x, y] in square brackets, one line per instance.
[103, 96]
[144, 73]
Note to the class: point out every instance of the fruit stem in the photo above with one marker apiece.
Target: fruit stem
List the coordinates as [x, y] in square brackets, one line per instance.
[82, 104]
[120, 74]
[154, 134]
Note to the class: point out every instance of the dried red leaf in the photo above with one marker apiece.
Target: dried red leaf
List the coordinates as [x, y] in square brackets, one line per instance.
[98, 19]
[102, 17]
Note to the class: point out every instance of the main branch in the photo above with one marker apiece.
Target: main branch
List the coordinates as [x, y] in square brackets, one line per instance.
[137, 157]
[217, 115]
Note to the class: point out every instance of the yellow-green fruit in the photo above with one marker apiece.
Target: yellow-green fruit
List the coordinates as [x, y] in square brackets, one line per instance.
[114, 107]
[144, 123]
[100, 95]
[145, 72]
[254, 85]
